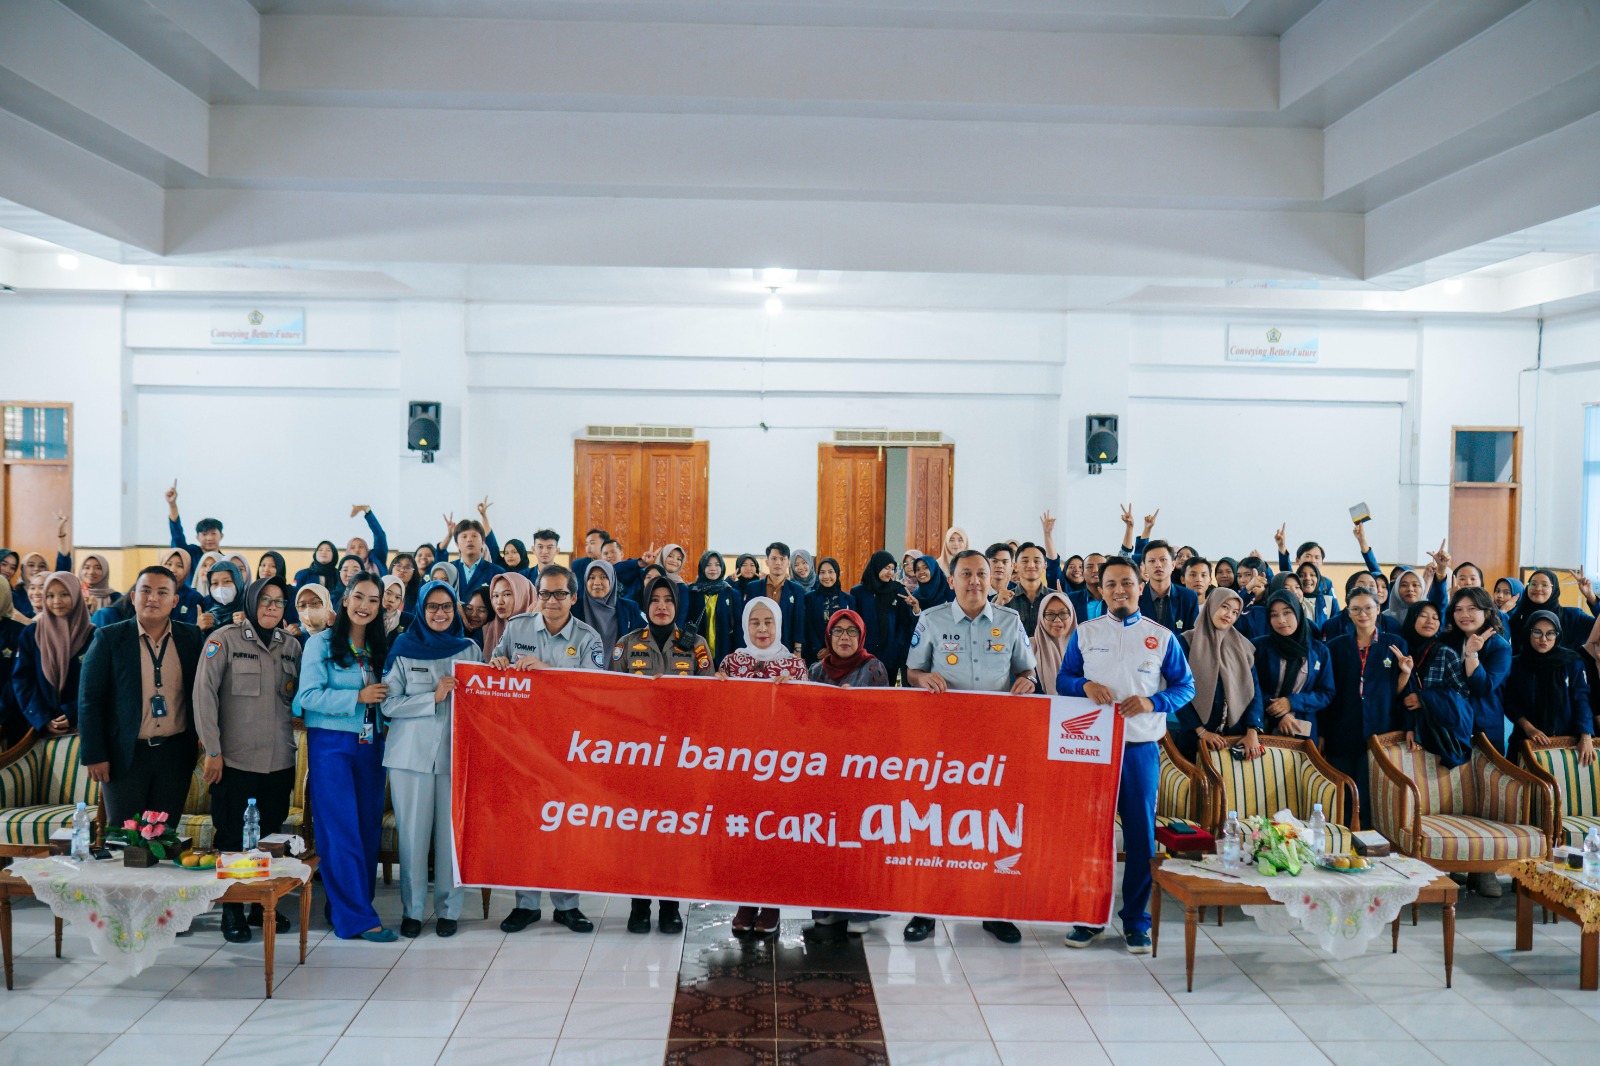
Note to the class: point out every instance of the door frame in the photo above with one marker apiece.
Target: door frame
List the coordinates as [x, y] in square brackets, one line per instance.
[1512, 487]
[7, 463]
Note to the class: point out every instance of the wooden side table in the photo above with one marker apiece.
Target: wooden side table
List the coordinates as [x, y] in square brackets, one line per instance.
[1589, 947]
[266, 892]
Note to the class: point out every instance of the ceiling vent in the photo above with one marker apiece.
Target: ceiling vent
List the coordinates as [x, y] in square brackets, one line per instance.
[667, 433]
[889, 437]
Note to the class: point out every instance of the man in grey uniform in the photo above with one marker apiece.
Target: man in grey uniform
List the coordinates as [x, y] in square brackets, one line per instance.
[549, 639]
[973, 645]
[243, 691]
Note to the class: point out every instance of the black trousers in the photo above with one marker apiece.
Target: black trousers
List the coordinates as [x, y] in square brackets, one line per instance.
[232, 795]
[156, 780]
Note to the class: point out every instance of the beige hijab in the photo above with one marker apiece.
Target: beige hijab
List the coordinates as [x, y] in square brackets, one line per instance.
[1047, 649]
[1221, 653]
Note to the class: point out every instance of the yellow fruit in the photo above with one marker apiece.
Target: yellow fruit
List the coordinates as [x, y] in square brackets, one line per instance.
[190, 859]
[1341, 863]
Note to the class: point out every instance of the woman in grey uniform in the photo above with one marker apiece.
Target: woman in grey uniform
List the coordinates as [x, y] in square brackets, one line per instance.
[420, 676]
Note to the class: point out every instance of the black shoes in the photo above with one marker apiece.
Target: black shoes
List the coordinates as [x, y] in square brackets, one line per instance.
[280, 921]
[519, 919]
[234, 928]
[1004, 932]
[572, 919]
[639, 916]
[446, 927]
[671, 920]
[410, 928]
[826, 933]
[918, 930]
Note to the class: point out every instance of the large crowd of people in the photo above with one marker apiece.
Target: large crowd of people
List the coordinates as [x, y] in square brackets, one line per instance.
[210, 654]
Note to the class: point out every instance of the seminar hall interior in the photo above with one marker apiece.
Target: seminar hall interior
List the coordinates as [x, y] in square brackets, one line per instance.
[1121, 479]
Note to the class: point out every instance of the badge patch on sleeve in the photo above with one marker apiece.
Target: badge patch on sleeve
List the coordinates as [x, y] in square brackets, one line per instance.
[211, 648]
[597, 655]
[616, 653]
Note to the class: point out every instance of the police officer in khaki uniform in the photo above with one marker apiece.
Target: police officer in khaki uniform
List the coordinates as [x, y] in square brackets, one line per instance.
[970, 644]
[550, 637]
[243, 691]
[659, 649]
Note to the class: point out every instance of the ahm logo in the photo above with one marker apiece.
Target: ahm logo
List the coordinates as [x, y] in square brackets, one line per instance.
[501, 684]
[1078, 728]
[1008, 865]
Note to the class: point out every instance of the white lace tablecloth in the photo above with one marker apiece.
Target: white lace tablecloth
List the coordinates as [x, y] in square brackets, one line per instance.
[1343, 911]
[129, 914]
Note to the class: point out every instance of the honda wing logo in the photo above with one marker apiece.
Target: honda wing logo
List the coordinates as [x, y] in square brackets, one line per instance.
[1080, 731]
[1008, 865]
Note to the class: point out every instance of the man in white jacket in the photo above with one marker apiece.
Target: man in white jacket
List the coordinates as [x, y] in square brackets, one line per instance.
[1126, 660]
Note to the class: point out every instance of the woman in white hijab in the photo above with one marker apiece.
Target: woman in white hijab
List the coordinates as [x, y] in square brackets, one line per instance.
[763, 657]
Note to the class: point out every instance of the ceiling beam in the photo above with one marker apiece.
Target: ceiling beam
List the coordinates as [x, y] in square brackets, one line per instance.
[782, 157]
[747, 67]
[207, 46]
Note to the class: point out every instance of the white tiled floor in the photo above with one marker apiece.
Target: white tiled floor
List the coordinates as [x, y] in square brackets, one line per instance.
[550, 996]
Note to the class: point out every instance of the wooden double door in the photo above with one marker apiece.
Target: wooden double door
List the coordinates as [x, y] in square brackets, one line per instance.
[644, 494]
[854, 499]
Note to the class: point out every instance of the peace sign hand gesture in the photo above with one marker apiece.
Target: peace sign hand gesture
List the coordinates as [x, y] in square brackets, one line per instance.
[1127, 515]
[1405, 663]
[1281, 536]
[1048, 521]
[483, 508]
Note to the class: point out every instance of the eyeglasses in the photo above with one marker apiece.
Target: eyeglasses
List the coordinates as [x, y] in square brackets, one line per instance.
[438, 608]
[267, 605]
[846, 631]
[558, 595]
[1542, 634]
[1056, 616]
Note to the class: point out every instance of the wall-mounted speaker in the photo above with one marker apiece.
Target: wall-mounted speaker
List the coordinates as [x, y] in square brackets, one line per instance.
[1100, 441]
[422, 428]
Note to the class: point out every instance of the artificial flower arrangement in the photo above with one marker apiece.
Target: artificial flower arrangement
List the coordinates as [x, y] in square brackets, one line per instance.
[1274, 846]
[147, 832]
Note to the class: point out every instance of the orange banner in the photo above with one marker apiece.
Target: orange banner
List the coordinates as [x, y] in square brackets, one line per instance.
[955, 805]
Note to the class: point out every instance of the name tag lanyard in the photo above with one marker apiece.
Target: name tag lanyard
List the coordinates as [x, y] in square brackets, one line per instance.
[158, 702]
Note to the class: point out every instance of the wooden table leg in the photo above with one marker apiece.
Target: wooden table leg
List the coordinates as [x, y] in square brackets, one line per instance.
[1449, 923]
[269, 936]
[1588, 967]
[1394, 945]
[1155, 918]
[1191, 922]
[305, 916]
[5, 935]
[1524, 919]
[58, 938]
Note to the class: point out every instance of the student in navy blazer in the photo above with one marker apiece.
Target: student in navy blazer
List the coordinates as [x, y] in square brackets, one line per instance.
[1163, 602]
[786, 591]
[885, 609]
[1472, 631]
[1368, 680]
[1293, 667]
[822, 602]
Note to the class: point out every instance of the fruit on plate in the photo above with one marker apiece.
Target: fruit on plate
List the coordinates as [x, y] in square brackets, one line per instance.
[190, 859]
[1341, 862]
[208, 861]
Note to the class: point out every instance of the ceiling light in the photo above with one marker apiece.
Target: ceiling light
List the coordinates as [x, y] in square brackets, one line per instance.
[67, 261]
[776, 277]
[774, 304]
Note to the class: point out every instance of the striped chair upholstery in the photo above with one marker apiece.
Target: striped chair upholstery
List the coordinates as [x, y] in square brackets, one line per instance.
[1577, 792]
[1282, 778]
[1174, 793]
[1470, 813]
[41, 790]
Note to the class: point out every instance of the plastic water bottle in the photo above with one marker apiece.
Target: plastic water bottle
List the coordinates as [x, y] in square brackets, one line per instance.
[1232, 842]
[80, 833]
[252, 826]
[1317, 833]
[1591, 857]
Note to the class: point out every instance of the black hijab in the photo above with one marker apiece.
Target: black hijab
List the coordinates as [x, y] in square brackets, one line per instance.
[325, 574]
[830, 593]
[661, 634]
[1420, 647]
[706, 586]
[1548, 670]
[522, 553]
[883, 593]
[252, 597]
[1233, 568]
[1294, 649]
[1525, 609]
[738, 566]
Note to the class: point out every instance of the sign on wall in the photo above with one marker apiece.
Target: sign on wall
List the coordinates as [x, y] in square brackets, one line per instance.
[258, 325]
[1270, 344]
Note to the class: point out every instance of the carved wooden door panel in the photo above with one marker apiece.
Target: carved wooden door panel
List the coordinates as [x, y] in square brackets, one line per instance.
[929, 492]
[850, 494]
[674, 502]
[608, 476]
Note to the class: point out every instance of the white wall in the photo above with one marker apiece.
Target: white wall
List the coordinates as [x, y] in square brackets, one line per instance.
[280, 442]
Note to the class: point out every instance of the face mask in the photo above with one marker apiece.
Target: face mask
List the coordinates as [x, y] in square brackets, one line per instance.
[224, 595]
[314, 619]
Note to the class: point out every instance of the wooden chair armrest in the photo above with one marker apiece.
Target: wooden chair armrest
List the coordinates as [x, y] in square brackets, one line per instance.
[1344, 782]
[1528, 783]
[1198, 790]
[1411, 797]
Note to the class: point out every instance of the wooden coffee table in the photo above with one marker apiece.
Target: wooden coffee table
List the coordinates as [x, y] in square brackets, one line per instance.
[1197, 893]
[1589, 947]
[266, 892]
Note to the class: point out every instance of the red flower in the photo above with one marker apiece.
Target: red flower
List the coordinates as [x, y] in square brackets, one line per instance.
[93, 917]
[161, 920]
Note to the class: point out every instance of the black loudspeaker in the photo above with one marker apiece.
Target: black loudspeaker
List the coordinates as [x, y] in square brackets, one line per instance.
[1100, 441]
[422, 428]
